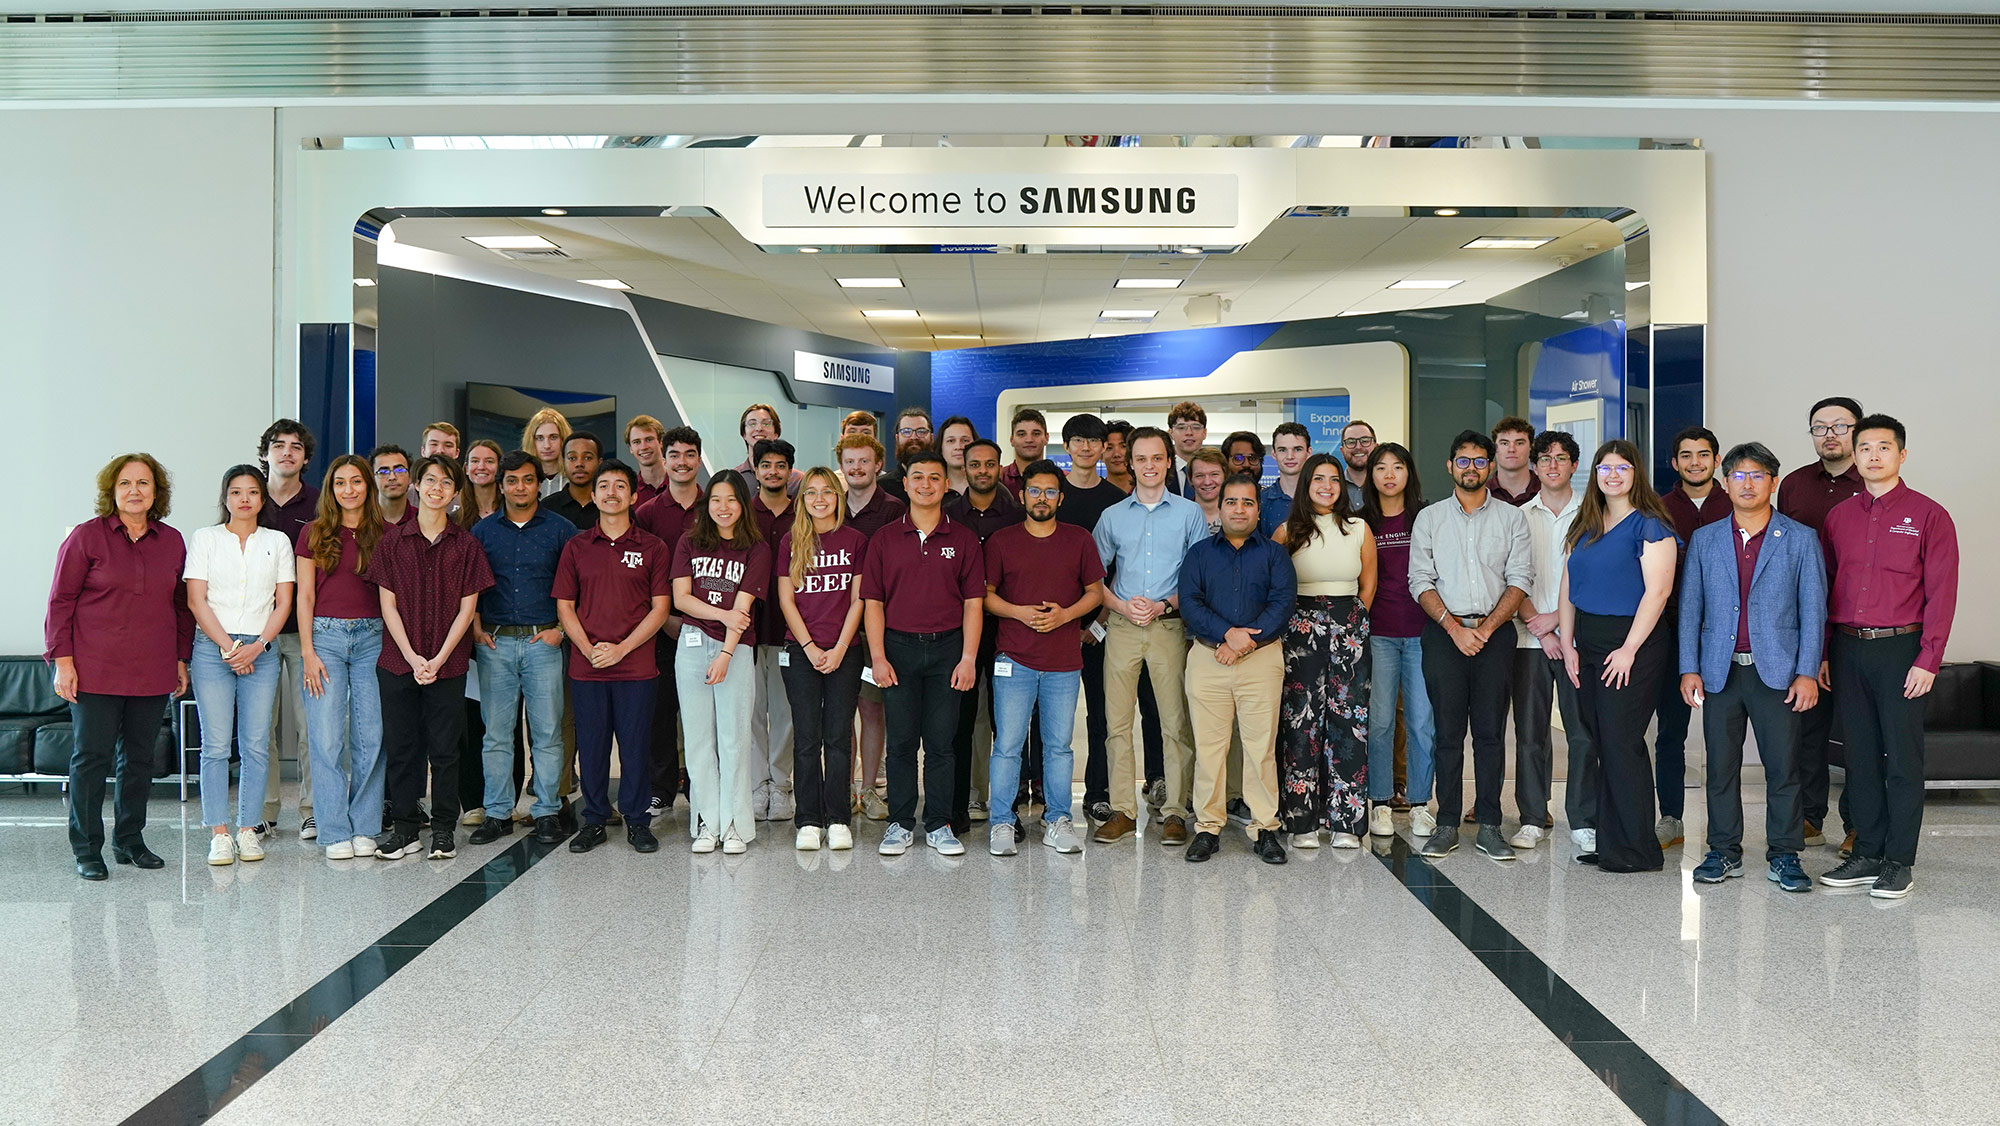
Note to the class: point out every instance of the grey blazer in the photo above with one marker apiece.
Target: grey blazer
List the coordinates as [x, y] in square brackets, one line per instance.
[1787, 604]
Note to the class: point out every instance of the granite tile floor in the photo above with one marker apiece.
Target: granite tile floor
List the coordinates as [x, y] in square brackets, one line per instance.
[1119, 985]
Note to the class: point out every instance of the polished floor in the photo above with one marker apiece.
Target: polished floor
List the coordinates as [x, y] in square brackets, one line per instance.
[1364, 986]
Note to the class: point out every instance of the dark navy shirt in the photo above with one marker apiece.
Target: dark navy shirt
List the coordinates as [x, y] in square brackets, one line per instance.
[524, 567]
[1273, 506]
[1224, 586]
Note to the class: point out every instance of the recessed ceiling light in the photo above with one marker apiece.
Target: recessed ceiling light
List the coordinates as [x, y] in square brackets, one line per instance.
[605, 283]
[956, 336]
[1630, 286]
[1191, 250]
[890, 314]
[555, 211]
[1128, 314]
[1507, 242]
[1355, 313]
[1447, 212]
[808, 250]
[1147, 283]
[870, 283]
[1102, 335]
[364, 283]
[511, 242]
[1425, 283]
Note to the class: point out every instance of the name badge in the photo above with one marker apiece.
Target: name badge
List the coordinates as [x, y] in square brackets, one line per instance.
[1003, 668]
[784, 658]
[1097, 630]
[868, 674]
[693, 639]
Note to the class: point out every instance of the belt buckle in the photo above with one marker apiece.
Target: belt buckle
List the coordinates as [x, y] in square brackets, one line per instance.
[1743, 658]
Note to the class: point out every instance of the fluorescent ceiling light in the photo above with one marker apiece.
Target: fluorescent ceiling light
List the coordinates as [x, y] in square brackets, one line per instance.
[554, 211]
[364, 282]
[511, 242]
[1507, 242]
[1426, 283]
[870, 283]
[1128, 314]
[1630, 286]
[1147, 283]
[1192, 250]
[890, 314]
[808, 250]
[1447, 212]
[956, 336]
[605, 283]
[1102, 335]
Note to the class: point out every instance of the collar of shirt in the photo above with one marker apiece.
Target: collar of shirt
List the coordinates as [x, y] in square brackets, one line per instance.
[1540, 503]
[1743, 535]
[907, 526]
[596, 532]
[1897, 493]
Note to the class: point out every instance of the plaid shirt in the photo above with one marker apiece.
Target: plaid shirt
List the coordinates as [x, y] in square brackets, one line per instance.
[428, 579]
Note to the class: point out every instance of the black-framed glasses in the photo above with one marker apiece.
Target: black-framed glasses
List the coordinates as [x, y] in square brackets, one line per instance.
[1357, 443]
[1837, 429]
[1468, 462]
[907, 432]
[393, 471]
[1554, 459]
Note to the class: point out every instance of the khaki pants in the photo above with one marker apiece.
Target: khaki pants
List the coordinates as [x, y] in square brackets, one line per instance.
[1161, 649]
[1224, 698]
[288, 727]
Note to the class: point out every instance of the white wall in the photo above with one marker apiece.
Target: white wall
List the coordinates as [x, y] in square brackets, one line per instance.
[135, 313]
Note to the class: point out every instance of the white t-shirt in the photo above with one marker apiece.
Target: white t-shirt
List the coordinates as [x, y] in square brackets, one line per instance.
[242, 576]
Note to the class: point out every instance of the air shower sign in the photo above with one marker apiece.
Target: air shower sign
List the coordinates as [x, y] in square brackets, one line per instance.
[1000, 200]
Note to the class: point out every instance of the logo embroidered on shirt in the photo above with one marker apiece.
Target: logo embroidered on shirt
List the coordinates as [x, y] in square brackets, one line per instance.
[634, 560]
[948, 552]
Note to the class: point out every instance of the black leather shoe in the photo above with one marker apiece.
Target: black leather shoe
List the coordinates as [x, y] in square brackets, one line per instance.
[587, 838]
[139, 856]
[92, 868]
[641, 838]
[491, 829]
[566, 817]
[1202, 847]
[549, 830]
[1268, 849]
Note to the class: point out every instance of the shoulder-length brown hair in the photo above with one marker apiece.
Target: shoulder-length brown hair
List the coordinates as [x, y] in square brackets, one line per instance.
[323, 534]
[805, 534]
[706, 535]
[107, 483]
[1302, 523]
[1590, 514]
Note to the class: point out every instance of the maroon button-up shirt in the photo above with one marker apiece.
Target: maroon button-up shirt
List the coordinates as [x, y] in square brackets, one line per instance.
[924, 581]
[1688, 518]
[428, 579]
[881, 510]
[1515, 499]
[119, 609]
[1808, 493]
[1892, 561]
[774, 526]
[613, 583]
[1004, 512]
[664, 517]
[1747, 551]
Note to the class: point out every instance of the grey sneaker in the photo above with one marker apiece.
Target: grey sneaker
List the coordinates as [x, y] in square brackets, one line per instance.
[945, 841]
[1670, 831]
[1000, 839]
[1239, 811]
[896, 841]
[1441, 842]
[1060, 835]
[1493, 844]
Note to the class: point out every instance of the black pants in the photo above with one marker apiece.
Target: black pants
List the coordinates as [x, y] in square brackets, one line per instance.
[422, 726]
[922, 710]
[666, 748]
[1469, 692]
[962, 750]
[1885, 743]
[1746, 701]
[111, 731]
[1616, 719]
[1817, 728]
[1097, 768]
[823, 734]
[1670, 738]
[605, 708]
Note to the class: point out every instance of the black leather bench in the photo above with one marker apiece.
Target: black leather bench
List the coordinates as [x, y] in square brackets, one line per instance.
[36, 736]
[1961, 729]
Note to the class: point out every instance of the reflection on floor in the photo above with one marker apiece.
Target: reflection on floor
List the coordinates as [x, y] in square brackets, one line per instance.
[1122, 984]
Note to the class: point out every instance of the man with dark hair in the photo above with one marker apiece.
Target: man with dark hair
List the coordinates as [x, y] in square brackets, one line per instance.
[1514, 479]
[758, 422]
[1187, 424]
[858, 422]
[1471, 564]
[953, 435]
[668, 516]
[1028, 433]
[285, 449]
[985, 508]
[1694, 502]
[771, 721]
[1117, 465]
[1291, 445]
[1752, 624]
[581, 453]
[1357, 441]
[1892, 570]
[913, 436]
[1243, 452]
[1807, 494]
[1085, 496]
[392, 484]
[1538, 676]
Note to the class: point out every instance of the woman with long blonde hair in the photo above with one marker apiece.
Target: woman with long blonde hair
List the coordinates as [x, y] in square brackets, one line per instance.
[542, 439]
[819, 593]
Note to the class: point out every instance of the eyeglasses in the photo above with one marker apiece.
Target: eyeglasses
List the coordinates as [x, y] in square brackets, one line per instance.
[1356, 443]
[1467, 462]
[1608, 470]
[1749, 478]
[1034, 493]
[393, 471]
[1557, 459]
[907, 432]
[1838, 429]
[1241, 459]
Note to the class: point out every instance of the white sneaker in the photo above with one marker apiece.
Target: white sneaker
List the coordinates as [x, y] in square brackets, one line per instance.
[733, 845]
[1306, 840]
[1000, 840]
[808, 839]
[246, 845]
[221, 850]
[340, 850]
[705, 843]
[1382, 821]
[363, 846]
[760, 802]
[1060, 835]
[1528, 836]
[1585, 840]
[780, 806]
[946, 842]
[839, 838]
[1346, 840]
[1422, 822]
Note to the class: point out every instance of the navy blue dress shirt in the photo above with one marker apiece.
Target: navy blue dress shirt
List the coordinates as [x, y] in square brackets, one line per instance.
[1224, 586]
[524, 562]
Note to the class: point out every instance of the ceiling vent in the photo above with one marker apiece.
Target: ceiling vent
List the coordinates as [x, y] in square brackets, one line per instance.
[533, 254]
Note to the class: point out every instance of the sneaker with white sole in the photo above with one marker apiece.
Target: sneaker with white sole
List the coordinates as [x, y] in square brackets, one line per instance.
[247, 846]
[808, 839]
[896, 841]
[443, 847]
[780, 806]
[1000, 839]
[1489, 842]
[839, 838]
[340, 850]
[221, 849]
[363, 846]
[398, 845]
[1346, 840]
[946, 842]
[975, 810]
[1382, 821]
[733, 845]
[1060, 835]
[1306, 840]
[873, 807]
[1527, 836]
[308, 830]
[1422, 822]
[1585, 840]
[705, 843]
[656, 809]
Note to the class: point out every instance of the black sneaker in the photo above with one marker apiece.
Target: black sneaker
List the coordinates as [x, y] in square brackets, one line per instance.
[587, 838]
[656, 808]
[641, 838]
[266, 830]
[1100, 811]
[442, 845]
[492, 829]
[1853, 872]
[397, 845]
[1895, 881]
[1239, 811]
[549, 830]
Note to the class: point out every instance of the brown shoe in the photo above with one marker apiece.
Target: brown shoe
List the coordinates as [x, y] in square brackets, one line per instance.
[1117, 829]
[1173, 832]
[1471, 817]
[1814, 835]
[1399, 803]
[1548, 821]
[1847, 846]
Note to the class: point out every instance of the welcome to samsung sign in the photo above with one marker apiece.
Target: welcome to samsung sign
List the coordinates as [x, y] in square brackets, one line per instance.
[1000, 200]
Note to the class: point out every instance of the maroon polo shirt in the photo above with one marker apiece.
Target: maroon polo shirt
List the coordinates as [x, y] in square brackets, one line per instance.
[1011, 480]
[119, 609]
[428, 578]
[1515, 499]
[1809, 492]
[1003, 512]
[923, 581]
[774, 526]
[341, 592]
[1748, 548]
[718, 574]
[664, 517]
[880, 510]
[1028, 570]
[791, 486]
[1892, 561]
[644, 492]
[290, 518]
[613, 584]
[828, 590]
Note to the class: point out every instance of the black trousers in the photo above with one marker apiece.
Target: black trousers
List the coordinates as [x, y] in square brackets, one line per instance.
[666, 748]
[1097, 768]
[607, 708]
[1816, 730]
[1746, 701]
[1671, 736]
[1616, 719]
[1885, 743]
[422, 727]
[922, 710]
[111, 732]
[823, 707]
[1469, 692]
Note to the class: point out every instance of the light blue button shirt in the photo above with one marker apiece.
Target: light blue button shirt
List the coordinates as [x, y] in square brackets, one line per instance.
[1142, 547]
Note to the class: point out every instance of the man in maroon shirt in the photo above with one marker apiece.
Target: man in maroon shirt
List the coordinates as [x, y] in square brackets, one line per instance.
[1514, 479]
[922, 588]
[612, 595]
[1029, 435]
[870, 508]
[1807, 494]
[286, 449]
[1892, 570]
[1693, 502]
[392, 484]
[667, 516]
[771, 722]
[985, 507]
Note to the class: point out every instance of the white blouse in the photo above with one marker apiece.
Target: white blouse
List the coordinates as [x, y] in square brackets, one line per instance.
[242, 577]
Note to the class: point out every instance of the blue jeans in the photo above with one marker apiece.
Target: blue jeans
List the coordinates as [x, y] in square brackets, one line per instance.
[1014, 700]
[347, 716]
[1399, 675]
[519, 668]
[239, 707]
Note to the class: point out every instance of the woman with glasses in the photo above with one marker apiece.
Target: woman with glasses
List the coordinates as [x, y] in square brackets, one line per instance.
[1392, 497]
[340, 644]
[1620, 574]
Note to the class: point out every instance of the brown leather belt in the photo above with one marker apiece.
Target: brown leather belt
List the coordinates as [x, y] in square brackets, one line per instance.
[1875, 634]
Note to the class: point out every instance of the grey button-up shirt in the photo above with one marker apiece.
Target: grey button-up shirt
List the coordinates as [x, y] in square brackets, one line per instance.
[1470, 559]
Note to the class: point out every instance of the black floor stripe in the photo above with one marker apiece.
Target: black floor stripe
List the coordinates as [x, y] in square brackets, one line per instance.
[1634, 1076]
[210, 1087]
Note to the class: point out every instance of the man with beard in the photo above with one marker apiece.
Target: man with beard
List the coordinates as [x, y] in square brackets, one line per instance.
[913, 436]
[985, 508]
[1357, 441]
[1694, 502]
[575, 503]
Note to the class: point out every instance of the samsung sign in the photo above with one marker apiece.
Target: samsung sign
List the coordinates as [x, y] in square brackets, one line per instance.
[1000, 200]
[808, 367]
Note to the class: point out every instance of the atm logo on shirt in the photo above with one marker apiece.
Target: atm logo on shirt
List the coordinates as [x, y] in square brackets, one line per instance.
[634, 560]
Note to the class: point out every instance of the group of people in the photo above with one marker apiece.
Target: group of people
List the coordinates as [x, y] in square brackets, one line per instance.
[1301, 658]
